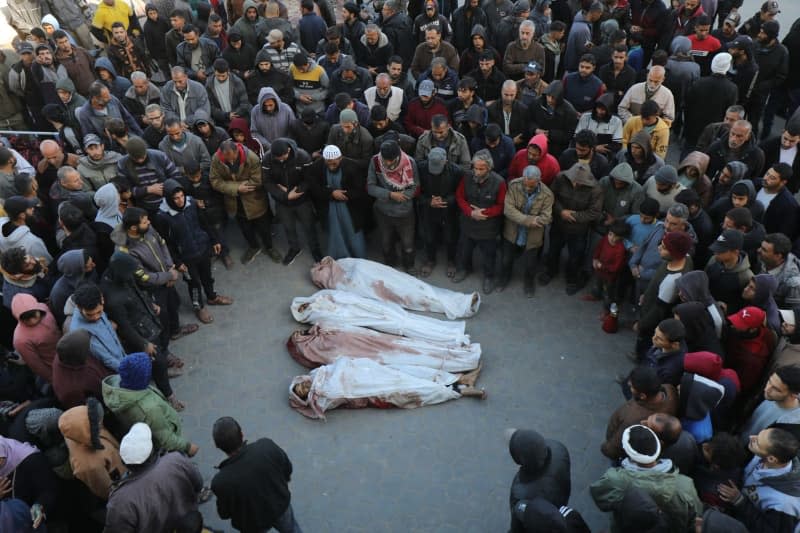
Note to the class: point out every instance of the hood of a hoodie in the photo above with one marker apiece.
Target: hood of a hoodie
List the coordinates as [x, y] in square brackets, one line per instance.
[121, 268]
[529, 450]
[17, 236]
[699, 395]
[606, 101]
[766, 284]
[642, 138]
[623, 172]
[104, 62]
[106, 198]
[172, 186]
[751, 189]
[739, 170]
[478, 29]
[24, 302]
[715, 521]
[706, 364]
[118, 399]
[556, 90]
[699, 160]
[65, 84]
[74, 425]
[268, 93]
[263, 55]
[694, 286]
[540, 141]
[71, 265]
[50, 19]
[680, 45]
[240, 124]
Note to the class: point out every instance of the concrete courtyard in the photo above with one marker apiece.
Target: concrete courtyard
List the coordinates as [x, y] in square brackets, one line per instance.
[547, 366]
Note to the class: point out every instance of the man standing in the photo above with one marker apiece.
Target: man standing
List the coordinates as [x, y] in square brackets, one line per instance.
[227, 95]
[236, 173]
[522, 51]
[777, 259]
[145, 171]
[252, 485]
[739, 144]
[184, 147]
[579, 40]
[139, 95]
[510, 114]
[481, 198]
[127, 54]
[780, 206]
[310, 84]
[583, 88]
[784, 149]
[729, 270]
[444, 136]
[422, 109]
[652, 89]
[772, 59]
[433, 47]
[528, 209]
[708, 98]
[77, 61]
[578, 205]
[196, 54]
[183, 97]
[393, 179]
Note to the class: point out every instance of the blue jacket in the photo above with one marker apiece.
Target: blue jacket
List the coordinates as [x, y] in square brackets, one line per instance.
[312, 29]
[105, 345]
[118, 85]
[668, 365]
[92, 122]
[186, 237]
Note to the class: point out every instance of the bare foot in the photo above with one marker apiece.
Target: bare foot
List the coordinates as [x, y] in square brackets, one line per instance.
[472, 392]
[469, 378]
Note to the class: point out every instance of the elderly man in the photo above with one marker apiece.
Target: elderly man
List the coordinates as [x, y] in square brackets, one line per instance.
[139, 95]
[71, 187]
[373, 49]
[398, 30]
[182, 97]
[652, 89]
[738, 144]
[393, 179]
[433, 47]
[353, 140]
[236, 173]
[53, 158]
[391, 98]
[444, 136]
[196, 54]
[183, 147]
[578, 205]
[522, 51]
[528, 209]
[100, 106]
[480, 196]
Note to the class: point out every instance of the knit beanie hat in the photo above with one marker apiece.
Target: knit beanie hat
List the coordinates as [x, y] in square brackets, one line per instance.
[43, 424]
[390, 150]
[721, 63]
[135, 370]
[677, 243]
[667, 174]
[347, 115]
[136, 147]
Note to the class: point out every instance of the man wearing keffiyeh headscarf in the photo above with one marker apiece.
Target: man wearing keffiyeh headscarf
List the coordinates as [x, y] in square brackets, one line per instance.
[393, 179]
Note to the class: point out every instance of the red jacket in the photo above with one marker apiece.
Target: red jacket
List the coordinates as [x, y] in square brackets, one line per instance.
[418, 119]
[494, 211]
[611, 257]
[548, 165]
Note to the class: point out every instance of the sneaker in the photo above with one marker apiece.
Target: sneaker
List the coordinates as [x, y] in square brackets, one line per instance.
[545, 278]
[460, 276]
[249, 255]
[273, 254]
[291, 255]
[488, 285]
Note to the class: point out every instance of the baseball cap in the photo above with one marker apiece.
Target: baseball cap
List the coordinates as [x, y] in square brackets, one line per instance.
[426, 88]
[747, 318]
[733, 18]
[437, 158]
[18, 204]
[741, 42]
[492, 132]
[25, 47]
[533, 66]
[771, 7]
[90, 139]
[729, 239]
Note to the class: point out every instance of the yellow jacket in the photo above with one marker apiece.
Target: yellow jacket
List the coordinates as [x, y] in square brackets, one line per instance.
[659, 138]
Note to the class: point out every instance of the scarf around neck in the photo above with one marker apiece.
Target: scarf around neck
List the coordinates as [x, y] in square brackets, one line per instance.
[14, 453]
[402, 176]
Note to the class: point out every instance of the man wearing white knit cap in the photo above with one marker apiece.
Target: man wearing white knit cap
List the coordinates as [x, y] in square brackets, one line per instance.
[341, 199]
[157, 492]
[642, 469]
[708, 98]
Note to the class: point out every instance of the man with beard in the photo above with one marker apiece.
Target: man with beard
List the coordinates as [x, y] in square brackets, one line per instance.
[77, 61]
[211, 135]
[340, 186]
[266, 76]
[393, 99]
[531, 87]
[196, 54]
[351, 79]
[510, 113]
[686, 18]
[250, 26]
[464, 20]
[652, 20]
[227, 95]
[398, 30]
[353, 140]
[444, 136]
[20, 82]
[97, 167]
[23, 273]
[182, 147]
[618, 76]
[399, 77]
[772, 59]
[605, 125]
[46, 73]
[582, 88]
[744, 69]
[392, 180]
[139, 95]
[430, 18]
[128, 55]
[784, 149]
[422, 109]
[488, 77]
[508, 28]
[652, 89]
[777, 259]
[352, 26]
[182, 97]
[708, 99]
[738, 144]
[554, 117]
[433, 47]
[480, 196]
[155, 130]
[373, 51]
[522, 51]
[177, 20]
[727, 32]
[780, 206]
[16, 233]
[458, 108]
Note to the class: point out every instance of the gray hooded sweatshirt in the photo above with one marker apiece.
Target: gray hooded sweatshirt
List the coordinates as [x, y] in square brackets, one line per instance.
[266, 127]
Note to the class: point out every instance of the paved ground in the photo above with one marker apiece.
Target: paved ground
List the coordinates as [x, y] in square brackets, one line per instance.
[547, 366]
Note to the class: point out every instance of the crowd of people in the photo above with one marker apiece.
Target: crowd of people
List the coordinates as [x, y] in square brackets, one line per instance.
[516, 129]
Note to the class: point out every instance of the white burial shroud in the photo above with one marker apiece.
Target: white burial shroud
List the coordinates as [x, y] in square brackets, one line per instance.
[323, 344]
[381, 282]
[346, 308]
[356, 383]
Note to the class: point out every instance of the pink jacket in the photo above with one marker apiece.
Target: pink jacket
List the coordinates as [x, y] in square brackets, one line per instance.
[37, 344]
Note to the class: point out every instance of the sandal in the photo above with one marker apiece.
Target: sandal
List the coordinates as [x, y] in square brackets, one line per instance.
[451, 270]
[176, 403]
[427, 268]
[221, 300]
[204, 495]
[186, 329]
[173, 361]
[203, 315]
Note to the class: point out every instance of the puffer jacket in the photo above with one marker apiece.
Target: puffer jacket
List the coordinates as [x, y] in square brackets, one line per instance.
[577, 190]
[188, 239]
[227, 182]
[541, 210]
[97, 469]
[289, 174]
[544, 471]
[266, 127]
[148, 406]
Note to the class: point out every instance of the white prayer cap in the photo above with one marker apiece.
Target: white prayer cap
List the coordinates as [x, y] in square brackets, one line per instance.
[644, 434]
[331, 152]
[137, 445]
